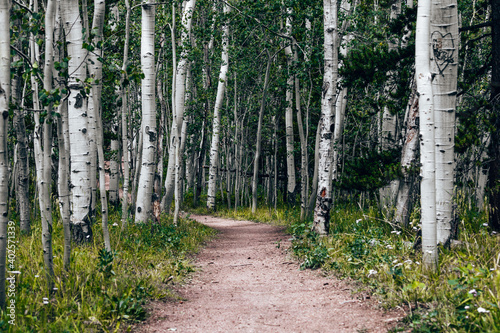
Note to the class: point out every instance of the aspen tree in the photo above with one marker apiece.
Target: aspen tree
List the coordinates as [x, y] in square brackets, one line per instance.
[259, 137]
[408, 156]
[427, 159]
[178, 102]
[96, 72]
[324, 197]
[4, 119]
[63, 174]
[45, 184]
[290, 158]
[214, 148]
[22, 163]
[148, 123]
[389, 123]
[114, 168]
[494, 173]
[78, 123]
[124, 113]
[444, 69]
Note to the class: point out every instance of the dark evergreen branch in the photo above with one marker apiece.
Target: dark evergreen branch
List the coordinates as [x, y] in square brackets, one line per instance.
[474, 27]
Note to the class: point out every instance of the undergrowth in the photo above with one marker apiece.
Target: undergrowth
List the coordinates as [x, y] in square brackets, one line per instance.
[102, 291]
[464, 296]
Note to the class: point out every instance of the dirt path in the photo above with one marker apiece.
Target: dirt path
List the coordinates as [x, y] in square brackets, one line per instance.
[246, 283]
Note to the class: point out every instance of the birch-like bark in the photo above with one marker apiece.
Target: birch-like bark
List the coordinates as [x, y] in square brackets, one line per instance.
[408, 158]
[46, 181]
[321, 222]
[444, 68]
[304, 179]
[259, 136]
[63, 183]
[64, 153]
[124, 98]
[22, 170]
[290, 146]
[37, 149]
[95, 69]
[178, 102]
[214, 148]
[427, 155]
[78, 123]
[114, 167]
[4, 119]
[389, 125]
[314, 188]
[148, 124]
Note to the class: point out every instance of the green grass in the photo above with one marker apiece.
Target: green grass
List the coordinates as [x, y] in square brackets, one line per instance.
[464, 296]
[102, 292]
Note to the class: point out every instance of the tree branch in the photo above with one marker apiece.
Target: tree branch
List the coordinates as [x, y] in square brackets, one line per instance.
[279, 34]
[25, 57]
[149, 4]
[22, 6]
[474, 27]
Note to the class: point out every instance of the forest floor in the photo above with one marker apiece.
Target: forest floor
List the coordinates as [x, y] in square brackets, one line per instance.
[246, 280]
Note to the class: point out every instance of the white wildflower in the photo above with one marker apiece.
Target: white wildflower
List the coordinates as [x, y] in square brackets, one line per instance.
[466, 307]
[359, 220]
[389, 247]
[482, 310]
[372, 272]
[485, 224]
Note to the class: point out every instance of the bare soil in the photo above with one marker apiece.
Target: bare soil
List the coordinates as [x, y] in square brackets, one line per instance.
[246, 282]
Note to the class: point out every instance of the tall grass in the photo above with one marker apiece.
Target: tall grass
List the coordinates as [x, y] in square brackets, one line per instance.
[102, 291]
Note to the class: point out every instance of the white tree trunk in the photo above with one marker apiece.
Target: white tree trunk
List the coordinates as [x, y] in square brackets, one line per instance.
[46, 181]
[21, 156]
[78, 123]
[148, 124]
[124, 98]
[324, 198]
[63, 177]
[408, 158]
[427, 159]
[258, 139]
[214, 148]
[314, 189]
[4, 119]
[95, 70]
[290, 145]
[444, 68]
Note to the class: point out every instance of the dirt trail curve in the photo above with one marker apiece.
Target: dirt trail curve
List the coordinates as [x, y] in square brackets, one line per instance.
[246, 283]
